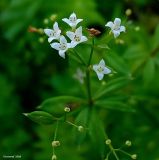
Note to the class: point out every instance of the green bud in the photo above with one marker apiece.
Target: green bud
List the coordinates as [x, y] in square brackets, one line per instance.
[134, 156]
[108, 141]
[80, 128]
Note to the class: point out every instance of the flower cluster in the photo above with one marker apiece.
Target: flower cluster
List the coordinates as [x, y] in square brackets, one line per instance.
[75, 35]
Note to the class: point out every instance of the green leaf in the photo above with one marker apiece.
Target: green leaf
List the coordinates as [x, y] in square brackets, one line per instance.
[103, 46]
[114, 105]
[117, 62]
[41, 117]
[97, 133]
[149, 71]
[112, 86]
[82, 120]
[156, 38]
[56, 105]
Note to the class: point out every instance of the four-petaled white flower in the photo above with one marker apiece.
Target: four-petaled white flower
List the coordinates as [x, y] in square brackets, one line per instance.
[72, 21]
[101, 69]
[115, 27]
[62, 47]
[79, 75]
[53, 33]
[76, 37]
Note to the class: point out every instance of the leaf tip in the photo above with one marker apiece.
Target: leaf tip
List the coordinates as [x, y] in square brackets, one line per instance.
[25, 114]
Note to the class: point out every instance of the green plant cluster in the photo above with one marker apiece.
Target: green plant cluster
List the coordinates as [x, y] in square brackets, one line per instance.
[125, 103]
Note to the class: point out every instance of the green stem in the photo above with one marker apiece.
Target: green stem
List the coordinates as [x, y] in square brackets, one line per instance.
[92, 48]
[55, 134]
[112, 148]
[123, 152]
[80, 58]
[88, 84]
[70, 123]
[113, 151]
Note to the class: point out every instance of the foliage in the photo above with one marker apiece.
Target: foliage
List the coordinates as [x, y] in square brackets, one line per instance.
[32, 72]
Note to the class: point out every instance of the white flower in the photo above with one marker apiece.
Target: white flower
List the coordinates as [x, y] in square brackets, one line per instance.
[115, 27]
[53, 33]
[76, 37]
[72, 21]
[79, 75]
[62, 47]
[101, 69]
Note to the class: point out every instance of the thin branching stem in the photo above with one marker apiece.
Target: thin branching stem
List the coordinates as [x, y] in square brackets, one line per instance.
[80, 58]
[55, 134]
[88, 83]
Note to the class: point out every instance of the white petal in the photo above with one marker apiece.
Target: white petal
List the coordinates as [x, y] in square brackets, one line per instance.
[117, 21]
[106, 70]
[102, 63]
[95, 67]
[116, 33]
[63, 40]
[50, 39]
[55, 46]
[48, 32]
[57, 35]
[122, 29]
[73, 15]
[78, 31]
[69, 45]
[100, 75]
[84, 38]
[66, 20]
[73, 44]
[70, 35]
[62, 53]
[79, 20]
[55, 26]
[110, 24]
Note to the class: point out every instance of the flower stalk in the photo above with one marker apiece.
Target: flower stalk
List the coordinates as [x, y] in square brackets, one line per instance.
[88, 83]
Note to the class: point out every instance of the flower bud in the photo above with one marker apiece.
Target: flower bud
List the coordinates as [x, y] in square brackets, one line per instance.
[128, 12]
[137, 28]
[67, 109]
[55, 143]
[128, 143]
[108, 141]
[53, 17]
[41, 40]
[93, 32]
[54, 157]
[134, 156]
[46, 21]
[80, 128]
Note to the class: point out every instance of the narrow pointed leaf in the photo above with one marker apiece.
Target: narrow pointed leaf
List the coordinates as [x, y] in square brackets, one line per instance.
[56, 105]
[41, 117]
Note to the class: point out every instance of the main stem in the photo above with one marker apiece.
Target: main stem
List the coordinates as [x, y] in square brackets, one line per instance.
[88, 83]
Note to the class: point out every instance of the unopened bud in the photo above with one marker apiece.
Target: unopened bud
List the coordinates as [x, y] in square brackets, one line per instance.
[41, 39]
[134, 156]
[128, 143]
[80, 128]
[128, 12]
[55, 143]
[54, 157]
[67, 109]
[94, 32]
[46, 21]
[53, 17]
[108, 141]
[137, 28]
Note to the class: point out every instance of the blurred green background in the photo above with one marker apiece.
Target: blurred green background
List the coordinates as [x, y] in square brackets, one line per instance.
[30, 71]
